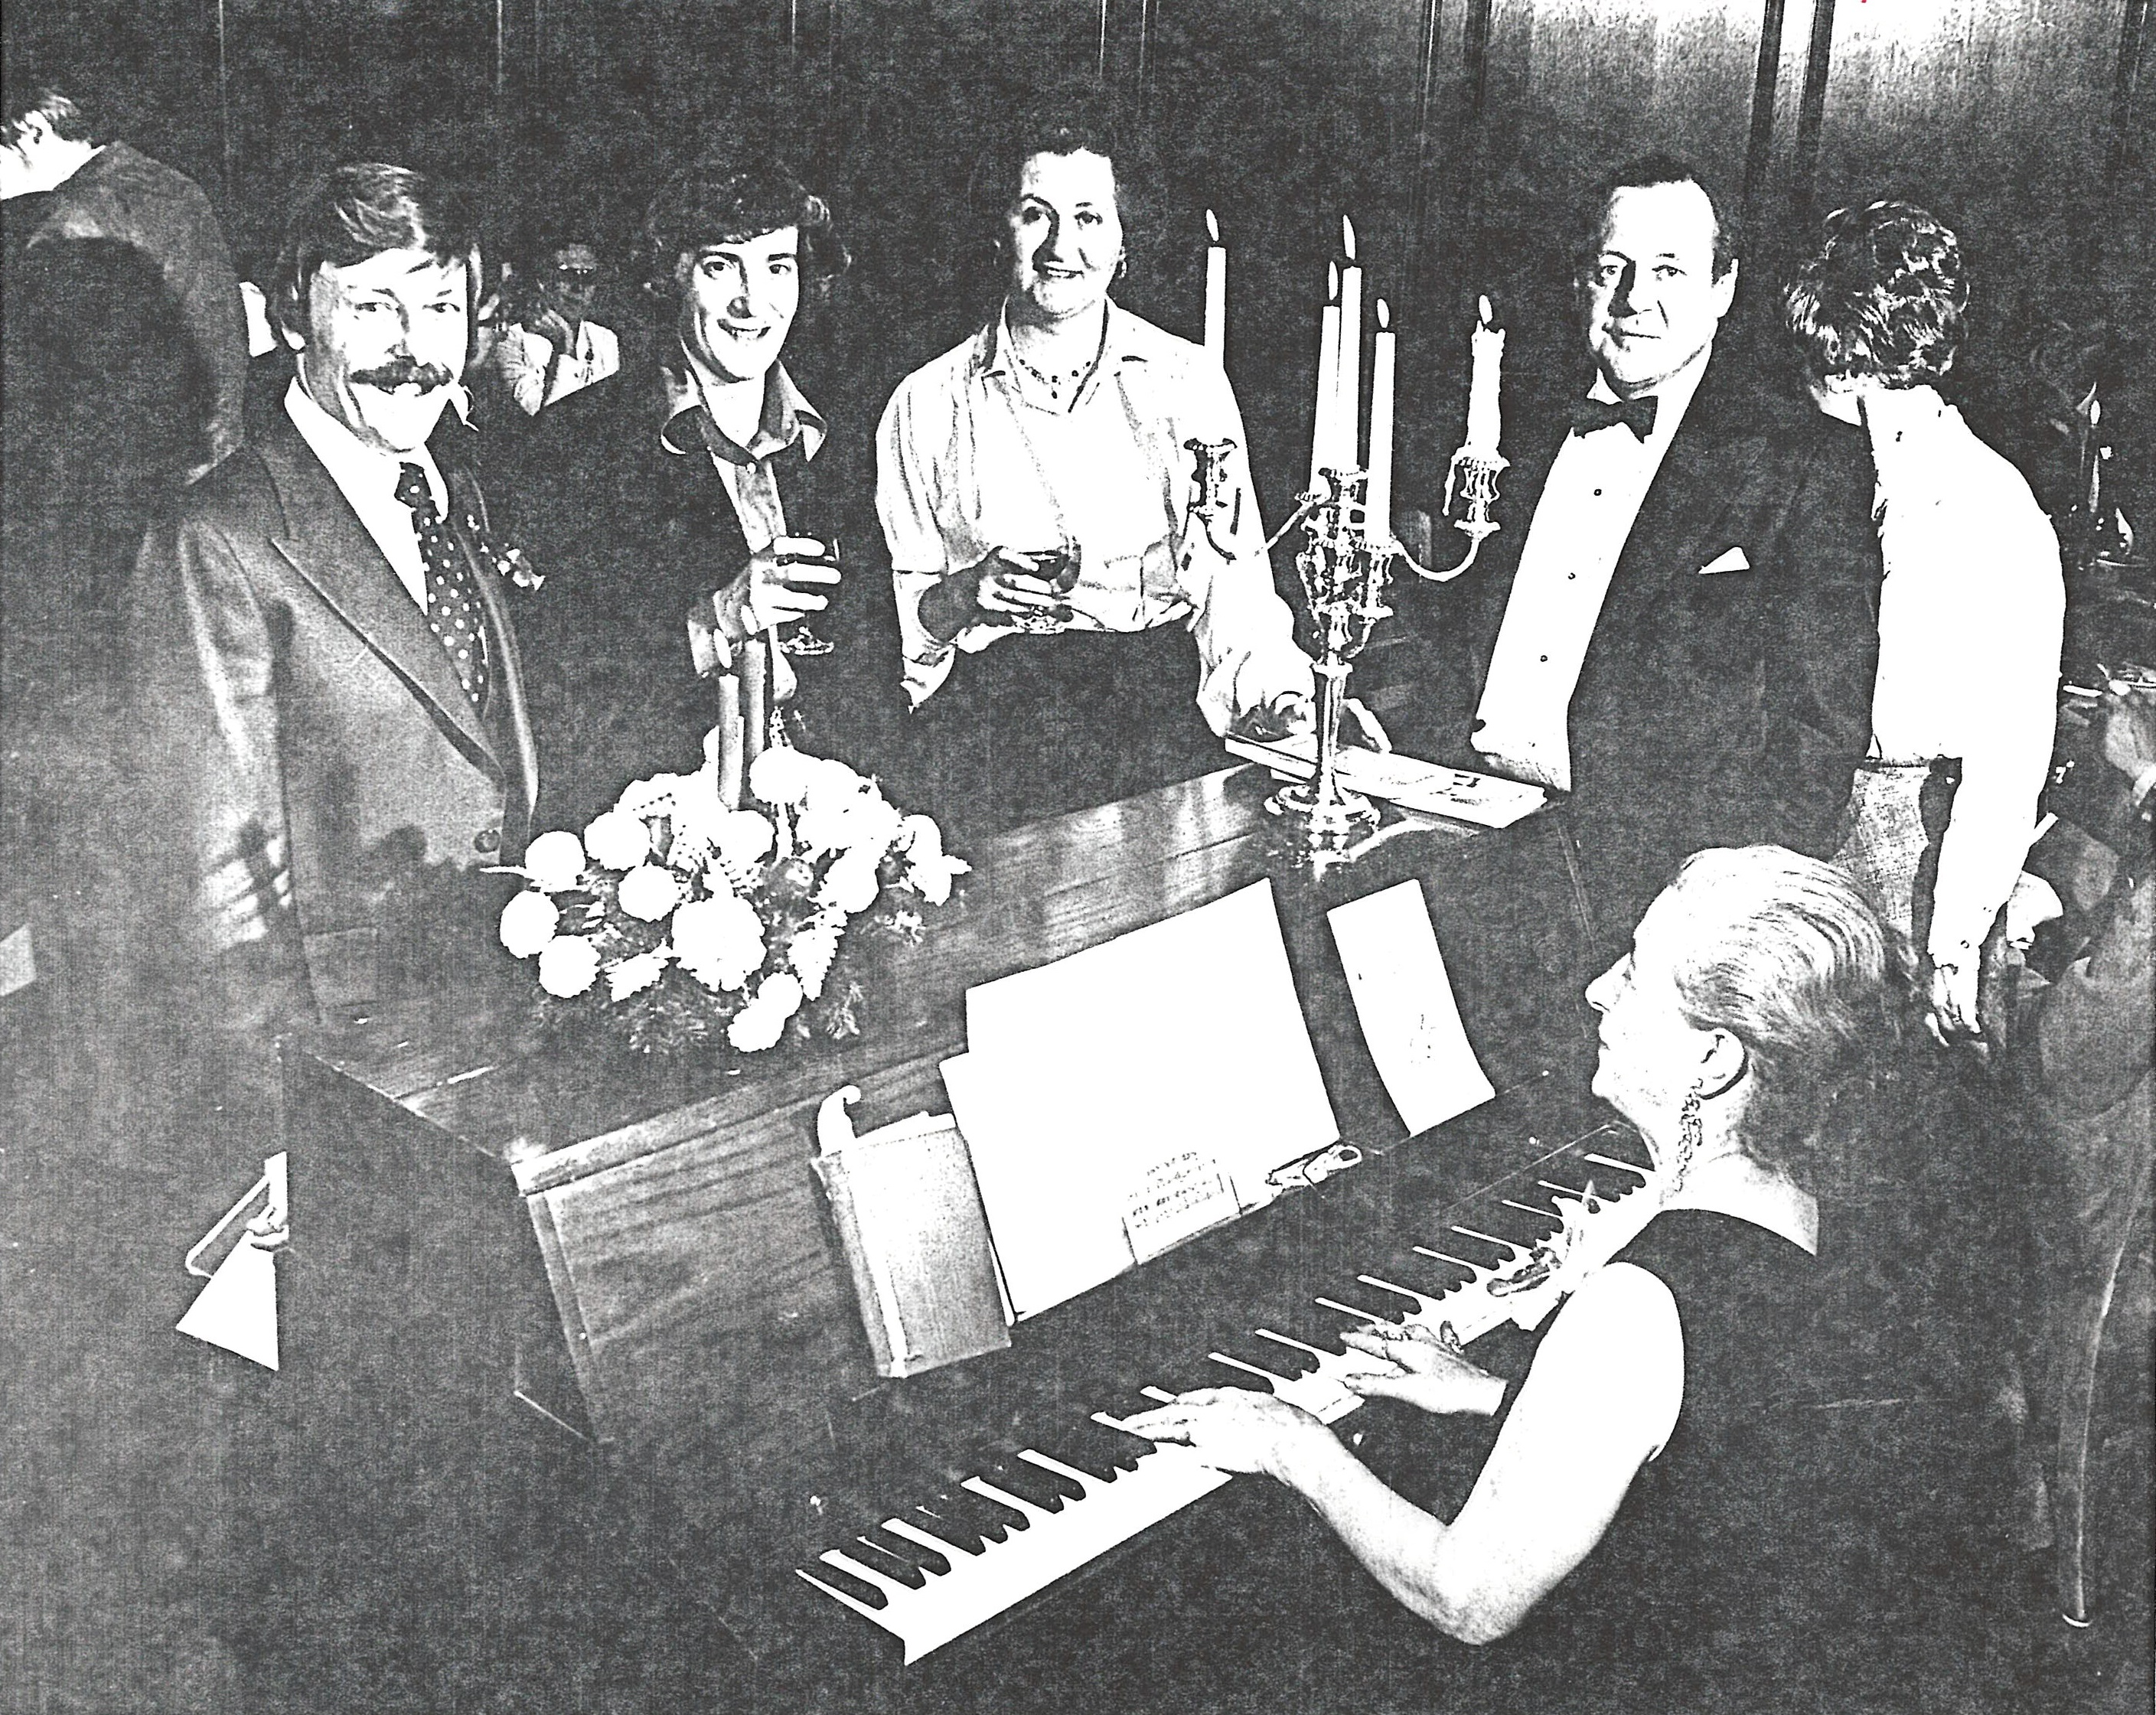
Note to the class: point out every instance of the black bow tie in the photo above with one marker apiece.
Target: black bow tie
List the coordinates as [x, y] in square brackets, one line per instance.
[1637, 415]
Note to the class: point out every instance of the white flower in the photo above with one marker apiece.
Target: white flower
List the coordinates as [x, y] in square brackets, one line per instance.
[743, 836]
[783, 774]
[920, 838]
[931, 877]
[618, 840]
[653, 796]
[528, 923]
[814, 948]
[648, 891]
[719, 941]
[568, 965]
[697, 809]
[851, 884]
[636, 974]
[555, 860]
[847, 821]
[760, 1024]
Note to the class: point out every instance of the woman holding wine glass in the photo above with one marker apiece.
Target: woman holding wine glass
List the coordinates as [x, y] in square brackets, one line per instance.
[1073, 629]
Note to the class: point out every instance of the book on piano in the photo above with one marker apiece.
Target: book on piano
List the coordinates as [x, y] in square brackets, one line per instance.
[909, 1218]
[1429, 788]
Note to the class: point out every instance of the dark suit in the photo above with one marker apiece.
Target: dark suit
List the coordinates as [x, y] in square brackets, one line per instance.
[326, 778]
[1713, 709]
[633, 536]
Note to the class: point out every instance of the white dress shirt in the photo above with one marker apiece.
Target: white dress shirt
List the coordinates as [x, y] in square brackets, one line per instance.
[522, 357]
[366, 477]
[967, 463]
[1596, 486]
[1970, 623]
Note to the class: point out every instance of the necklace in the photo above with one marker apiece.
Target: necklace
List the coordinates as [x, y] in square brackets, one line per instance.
[1074, 379]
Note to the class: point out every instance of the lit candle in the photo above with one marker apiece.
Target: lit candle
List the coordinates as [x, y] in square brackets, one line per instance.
[1486, 344]
[1216, 294]
[1328, 375]
[1382, 364]
[1348, 424]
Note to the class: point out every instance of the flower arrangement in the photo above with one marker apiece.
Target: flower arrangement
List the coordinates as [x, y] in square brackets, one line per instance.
[676, 918]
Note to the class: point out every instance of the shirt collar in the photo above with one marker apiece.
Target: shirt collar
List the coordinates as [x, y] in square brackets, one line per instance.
[1121, 341]
[1674, 396]
[352, 465]
[685, 391]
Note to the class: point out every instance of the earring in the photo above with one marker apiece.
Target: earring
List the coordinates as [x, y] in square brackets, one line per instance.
[1689, 1131]
[1123, 266]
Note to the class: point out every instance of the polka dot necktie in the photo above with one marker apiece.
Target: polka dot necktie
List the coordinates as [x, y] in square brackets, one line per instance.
[453, 609]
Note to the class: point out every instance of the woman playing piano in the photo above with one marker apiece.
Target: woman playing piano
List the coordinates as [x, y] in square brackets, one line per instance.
[1697, 1466]
[1075, 627]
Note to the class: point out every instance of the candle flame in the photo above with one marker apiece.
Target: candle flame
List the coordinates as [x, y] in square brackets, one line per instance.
[1347, 239]
[1482, 307]
[1333, 282]
[1384, 316]
[1212, 227]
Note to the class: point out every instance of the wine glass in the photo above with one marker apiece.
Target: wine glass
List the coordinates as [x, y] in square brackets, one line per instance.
[801, 641]
[1059, 567]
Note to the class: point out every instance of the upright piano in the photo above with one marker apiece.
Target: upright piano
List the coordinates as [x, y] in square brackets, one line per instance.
[507, 1251]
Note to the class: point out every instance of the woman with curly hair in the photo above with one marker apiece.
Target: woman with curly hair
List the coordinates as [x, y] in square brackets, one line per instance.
[1972, 611]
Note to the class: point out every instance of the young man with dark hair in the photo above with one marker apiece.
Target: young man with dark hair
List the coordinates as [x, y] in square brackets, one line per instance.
[53, 143]
[687, 504]
[1680, 624]
[329, 684]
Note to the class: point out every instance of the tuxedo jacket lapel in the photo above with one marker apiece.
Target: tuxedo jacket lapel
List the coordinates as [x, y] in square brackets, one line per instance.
[325, 543]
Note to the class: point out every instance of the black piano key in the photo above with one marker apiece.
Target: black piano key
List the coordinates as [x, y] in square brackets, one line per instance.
[1092, 1453]
[859, 1588]
[1027, 1480]
[991, 1517]
[891, 1542]
[944, 1528]
[882, 1560]
[1069, 1488]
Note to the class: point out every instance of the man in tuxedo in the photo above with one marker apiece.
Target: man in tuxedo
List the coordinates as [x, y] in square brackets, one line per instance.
[328, 681]
[1679, 625]
[688, 502]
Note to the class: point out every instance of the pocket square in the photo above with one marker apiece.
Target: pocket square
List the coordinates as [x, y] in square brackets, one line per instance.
[1731, 561]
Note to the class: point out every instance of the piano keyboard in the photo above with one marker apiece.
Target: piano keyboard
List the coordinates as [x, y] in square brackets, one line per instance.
[933, 1571]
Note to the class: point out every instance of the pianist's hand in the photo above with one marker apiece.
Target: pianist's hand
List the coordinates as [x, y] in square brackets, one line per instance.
[1413, 1365]
[1290, 712]
[1232, 1428]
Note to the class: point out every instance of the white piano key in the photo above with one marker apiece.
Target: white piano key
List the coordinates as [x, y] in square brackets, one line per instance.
[1492, 1238]
[1349, 1309]
[1476, 1269]
[981, 1486]
[912, 1533]
[868, 1574]
[1288, 1340]
[1091, 1484]
[1237, 1364]
[852, 1602]
[1623, 1166]
[1423, 1301]
[1159, 1395]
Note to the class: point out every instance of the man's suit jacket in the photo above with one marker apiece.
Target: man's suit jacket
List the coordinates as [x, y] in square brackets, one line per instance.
[326, 777]
[1722, 707]
[632, 537]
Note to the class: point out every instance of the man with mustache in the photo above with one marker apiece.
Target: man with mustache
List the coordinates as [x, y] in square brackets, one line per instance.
[688, 503]
[330, 692]
[1678, 624]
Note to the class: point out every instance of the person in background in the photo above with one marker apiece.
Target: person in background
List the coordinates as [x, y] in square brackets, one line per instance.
[55, 142]
[555, 348]
[1073, 632]
[1678, 627]
[1971, 612]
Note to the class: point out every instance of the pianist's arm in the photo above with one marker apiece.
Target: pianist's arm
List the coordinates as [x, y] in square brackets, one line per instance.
[1601, 1401]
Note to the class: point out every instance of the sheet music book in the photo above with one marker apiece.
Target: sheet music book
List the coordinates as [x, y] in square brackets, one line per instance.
[909, 1217]
[1124, 1099]
[1405, 1002]
[1430, 788]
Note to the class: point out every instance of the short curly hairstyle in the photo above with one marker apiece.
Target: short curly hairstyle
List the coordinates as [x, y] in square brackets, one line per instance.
[1058, 124]
[723, 197]
[1884, 299]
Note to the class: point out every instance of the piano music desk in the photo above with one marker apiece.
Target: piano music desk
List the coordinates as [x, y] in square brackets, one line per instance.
[494, 1231]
